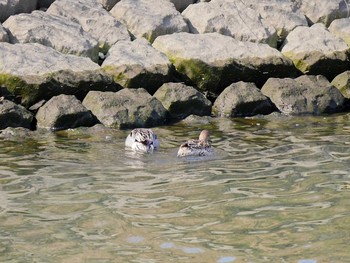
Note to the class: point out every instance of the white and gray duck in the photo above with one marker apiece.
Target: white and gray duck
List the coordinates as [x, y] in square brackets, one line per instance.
[200, 147]
[142, 140]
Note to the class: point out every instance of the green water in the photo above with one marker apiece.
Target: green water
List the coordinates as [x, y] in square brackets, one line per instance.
[277, 190]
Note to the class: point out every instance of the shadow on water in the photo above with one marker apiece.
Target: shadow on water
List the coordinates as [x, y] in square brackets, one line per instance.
[277, 190]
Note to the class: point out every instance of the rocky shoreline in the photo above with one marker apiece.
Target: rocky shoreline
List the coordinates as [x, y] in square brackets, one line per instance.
[144, 63]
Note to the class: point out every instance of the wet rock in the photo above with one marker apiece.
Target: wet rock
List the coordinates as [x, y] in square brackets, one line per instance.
[12, 7]
[323, 11]
[63, 112]
[314, 50]
[52, 31]
[241, 99]
[3, 34]
[197, 120]
[33, 72]
[127, 108]
[225, 17]
[17, 132]
[94, 19]
[13, 115]
[137, 64]
[181, 100]
[341, 28]
[303, 95]
[149, 18]
[213, 61]
[342, 83]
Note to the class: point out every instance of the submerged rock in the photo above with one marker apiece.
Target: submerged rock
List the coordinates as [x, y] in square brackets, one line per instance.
[63, 112]
[33, 72]
[12, 7]
[137, 64]
[181, 100]
[241, 99]
[303, 95]
[127, 108]
[224, 16]
[342, 83]
[213, 61]
[13, 115]
[314, 50]
[52, 31]
[149, 18]
[94, 19]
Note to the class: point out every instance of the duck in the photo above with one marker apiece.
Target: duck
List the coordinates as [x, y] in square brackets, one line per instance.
[142, 140]
[200, 147]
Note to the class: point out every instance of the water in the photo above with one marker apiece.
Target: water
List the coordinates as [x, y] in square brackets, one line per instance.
[278, 190]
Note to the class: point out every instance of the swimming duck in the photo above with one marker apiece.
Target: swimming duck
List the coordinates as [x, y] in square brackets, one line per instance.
[200, 147]
[144, 140]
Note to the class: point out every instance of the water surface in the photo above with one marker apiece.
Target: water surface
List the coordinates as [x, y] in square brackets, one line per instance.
[278, 190]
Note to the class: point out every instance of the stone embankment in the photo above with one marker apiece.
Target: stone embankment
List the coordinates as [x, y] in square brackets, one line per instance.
[143, 63]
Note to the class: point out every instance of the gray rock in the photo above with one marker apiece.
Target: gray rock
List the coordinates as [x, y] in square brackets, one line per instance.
[323, 11]
[16, 133]
[33, 72]
[127, 108]
[213, 61]
[149, 18]
[314, 50]
[241, 99]
[303, 95]
[197, 120]
[342, 83]
[52, 31]
[137, 64]
[13, 115]
[181, 100]
[94, 19]
[63, 112]
[231, 18]
[341, 28]
[3, 34]
[12, 7]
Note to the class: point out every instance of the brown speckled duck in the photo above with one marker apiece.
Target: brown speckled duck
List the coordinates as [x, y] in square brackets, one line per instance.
[200, 147]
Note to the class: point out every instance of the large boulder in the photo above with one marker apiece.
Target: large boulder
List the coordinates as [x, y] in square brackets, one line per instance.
[94, 19]
[323, 11]
[314, 50]
[127, 108]
[63, 112]
[33, 72]
[137, 64]
[303, 95]
[232, 18]
[181, 100]
[213, 61]
[13, 115]
[341, 28]
[149, 18]
[12, 7]
[52, 31]
[241, 99]
[342, 83]
[3, 34]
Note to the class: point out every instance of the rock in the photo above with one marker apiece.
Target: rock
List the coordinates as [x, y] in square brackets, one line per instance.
[12, 7]
[94, 19]
[181, 5]
[323, 11]
[127, 108]
[149, 18]
[197, 120]
[314, 50]
[241, 99]
[16, 133]
[213, 61]
[13, 115]
[52, 31]
[231, 18]
[3, 34]
[137, 64]
[181, 100]
[63, 112]
[341, 28]
[342, 83]
[283, 15]
[303, 95]
[108, 4]
[33, 72]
